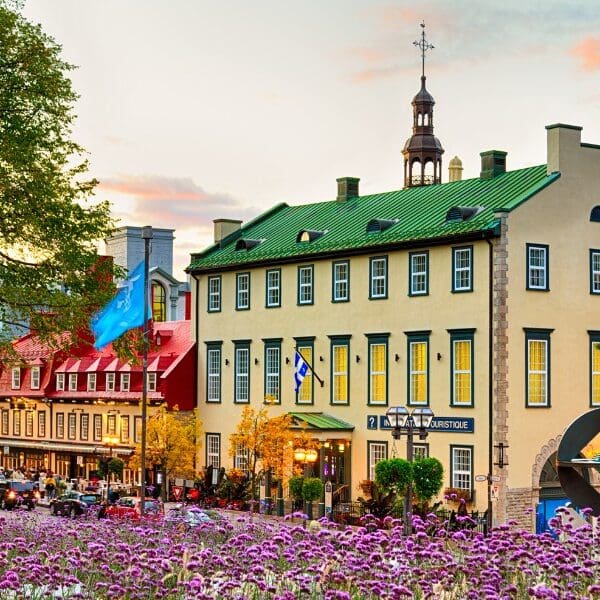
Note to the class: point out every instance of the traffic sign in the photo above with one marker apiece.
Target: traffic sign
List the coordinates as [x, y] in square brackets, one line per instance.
[177, 490]
[480, 477]
[494, 477]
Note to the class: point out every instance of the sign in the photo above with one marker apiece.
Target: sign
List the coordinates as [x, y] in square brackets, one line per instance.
[328, 497]
[79, 459]
[178, 481]
[371, 421]
[189, 483]
[495, 492]
[495, 477]
[447, 424]
[480, 477]
[6, 449]
[177, 491]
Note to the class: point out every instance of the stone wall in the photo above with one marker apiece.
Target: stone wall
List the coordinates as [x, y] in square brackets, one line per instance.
[520, 507]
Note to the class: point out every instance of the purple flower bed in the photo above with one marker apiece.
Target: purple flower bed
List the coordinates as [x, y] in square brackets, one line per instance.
[255, 558]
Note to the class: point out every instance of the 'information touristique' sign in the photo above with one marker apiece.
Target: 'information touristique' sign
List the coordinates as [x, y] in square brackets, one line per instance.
[447, 424]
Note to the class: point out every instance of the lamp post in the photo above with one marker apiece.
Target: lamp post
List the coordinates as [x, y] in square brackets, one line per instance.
[110, 442]
[403, 423]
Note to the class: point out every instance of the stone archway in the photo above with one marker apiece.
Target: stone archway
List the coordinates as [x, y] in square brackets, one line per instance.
[545, 453]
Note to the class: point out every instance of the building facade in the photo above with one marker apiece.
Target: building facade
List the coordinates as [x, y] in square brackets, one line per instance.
[57, 408]
[476, 298]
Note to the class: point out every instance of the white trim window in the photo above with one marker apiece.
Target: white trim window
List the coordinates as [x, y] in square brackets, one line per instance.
[462, 260]
[91, 382]
[151, 381]
[377, 452]
[35, 378]
[84, 426]
[60, 382]
[418, 351]
[273, 288]
[110, 382]
[125, 382]
[339, 368]
[341, 281]
[15, 380]
[418, 273]
[98, 428]
[242, 375]
[242, 295]
[213, 450]
[462, 465]
[72, 382]
[272, 373]
[214, 294]
[60, 425]
[305, 285]
[213, 375]
[537, 267]
[594, 271]
[72, 426]
[241, 460]
[378, 268]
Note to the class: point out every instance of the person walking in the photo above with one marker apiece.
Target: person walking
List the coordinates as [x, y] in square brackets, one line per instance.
[50, 485]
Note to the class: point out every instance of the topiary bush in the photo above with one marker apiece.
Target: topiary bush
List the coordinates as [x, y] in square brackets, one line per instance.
[312, 488]
[428, 478]
[393, 475]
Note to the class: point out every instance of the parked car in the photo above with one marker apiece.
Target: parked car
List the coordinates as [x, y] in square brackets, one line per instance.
[73, 504]
[190, 516]
[15, 494]
[128, 507]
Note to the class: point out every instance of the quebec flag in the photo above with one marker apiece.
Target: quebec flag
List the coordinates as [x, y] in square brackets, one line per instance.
[300, 369]
[125, 311]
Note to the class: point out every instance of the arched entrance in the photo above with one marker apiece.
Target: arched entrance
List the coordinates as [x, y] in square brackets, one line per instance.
[552, 496]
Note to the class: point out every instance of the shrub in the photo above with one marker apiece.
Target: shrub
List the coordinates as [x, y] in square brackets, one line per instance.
[428, 478]
[312, 489]
[393, 475]
[295, 484]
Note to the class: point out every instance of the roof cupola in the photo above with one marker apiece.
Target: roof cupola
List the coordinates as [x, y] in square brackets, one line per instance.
[422, 151]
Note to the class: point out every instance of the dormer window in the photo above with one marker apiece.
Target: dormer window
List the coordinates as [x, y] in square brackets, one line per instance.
[16, 378]
[457, 214]
[72, 382]
[60, 381]
[247, 244]
[309, 235]
[35, 378]
[91, 382]
[379, 225]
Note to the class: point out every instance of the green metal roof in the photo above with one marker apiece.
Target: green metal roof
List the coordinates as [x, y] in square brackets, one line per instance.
[321, 421]
[420, 213]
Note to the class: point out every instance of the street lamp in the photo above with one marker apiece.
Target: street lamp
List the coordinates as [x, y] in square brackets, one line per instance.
[110, 442]
[403, 423]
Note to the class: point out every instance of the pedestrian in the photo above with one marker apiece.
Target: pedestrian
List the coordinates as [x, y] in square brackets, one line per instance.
[50, 485]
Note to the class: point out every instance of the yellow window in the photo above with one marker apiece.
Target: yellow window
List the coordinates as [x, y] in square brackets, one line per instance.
[306, 389]
[418, 372]
[340, 374]
[378, 374]
[159, 303]
[537, 376]
[462, 372]
[596, 373]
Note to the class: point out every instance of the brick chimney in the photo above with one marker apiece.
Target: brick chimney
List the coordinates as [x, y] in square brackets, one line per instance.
[347, 187]
[223, 227]
[493, 163]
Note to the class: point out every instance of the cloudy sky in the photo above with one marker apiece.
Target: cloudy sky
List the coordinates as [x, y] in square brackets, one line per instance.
[193, 110]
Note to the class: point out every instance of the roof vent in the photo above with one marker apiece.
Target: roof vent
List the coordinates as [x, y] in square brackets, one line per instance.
[309, 235]
[379, 225]
[457, 214]
[247, 244]
[595, 214]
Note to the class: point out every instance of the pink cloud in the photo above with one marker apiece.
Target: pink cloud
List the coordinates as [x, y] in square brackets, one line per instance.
[175, 202]
[588, 53]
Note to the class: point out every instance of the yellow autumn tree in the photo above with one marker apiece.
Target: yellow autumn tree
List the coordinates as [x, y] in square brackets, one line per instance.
[171, 438]
[267, 441]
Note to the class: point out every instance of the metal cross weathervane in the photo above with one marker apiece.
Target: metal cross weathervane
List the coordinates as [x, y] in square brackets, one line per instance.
[423, 45]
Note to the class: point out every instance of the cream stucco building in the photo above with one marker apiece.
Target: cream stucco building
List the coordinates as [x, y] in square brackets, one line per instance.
[478, 298]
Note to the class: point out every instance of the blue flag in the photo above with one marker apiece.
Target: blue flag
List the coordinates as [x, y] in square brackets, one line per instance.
[300, 369]
[125, 311]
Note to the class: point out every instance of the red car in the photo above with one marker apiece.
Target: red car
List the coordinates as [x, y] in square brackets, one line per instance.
[128, 507]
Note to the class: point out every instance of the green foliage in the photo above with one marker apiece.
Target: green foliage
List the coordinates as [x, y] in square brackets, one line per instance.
[378, 502]
[393, 475]
[110, 465]
[312, 489]
[48, 228]
[428, 478]
[295, 484]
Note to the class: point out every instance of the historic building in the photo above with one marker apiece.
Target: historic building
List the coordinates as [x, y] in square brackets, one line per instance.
[476, 298]
[57, 408]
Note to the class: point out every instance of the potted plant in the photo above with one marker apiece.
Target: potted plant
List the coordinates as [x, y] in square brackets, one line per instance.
[312, 489]
[452, 494]
[295, 486]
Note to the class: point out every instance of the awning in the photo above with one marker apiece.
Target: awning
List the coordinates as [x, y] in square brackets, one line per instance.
[54, 447]
[319, 421]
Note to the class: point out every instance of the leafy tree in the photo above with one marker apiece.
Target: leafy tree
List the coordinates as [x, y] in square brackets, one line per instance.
[171, 438]
[393, 474]
[48, 227]
[108, 466]
[428, 478]
[268, 442]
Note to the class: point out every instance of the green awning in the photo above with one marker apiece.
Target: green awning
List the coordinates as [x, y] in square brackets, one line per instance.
[319, 421]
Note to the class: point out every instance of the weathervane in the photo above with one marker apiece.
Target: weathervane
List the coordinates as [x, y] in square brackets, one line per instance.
[424, 46]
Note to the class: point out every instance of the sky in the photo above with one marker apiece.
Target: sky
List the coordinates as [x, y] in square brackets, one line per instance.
[193, 110]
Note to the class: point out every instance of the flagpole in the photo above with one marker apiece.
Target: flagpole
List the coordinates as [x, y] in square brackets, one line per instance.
[310, 367]
[146, 236]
